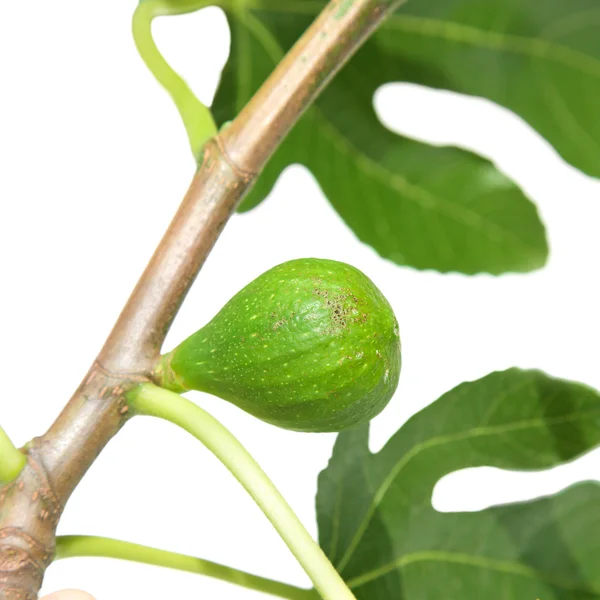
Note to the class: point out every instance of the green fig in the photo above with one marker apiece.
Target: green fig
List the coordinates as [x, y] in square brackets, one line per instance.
[310, 345]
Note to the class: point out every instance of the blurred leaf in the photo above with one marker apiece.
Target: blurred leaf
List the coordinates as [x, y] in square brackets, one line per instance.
[539, 58]
[427, 207]
[378, 526]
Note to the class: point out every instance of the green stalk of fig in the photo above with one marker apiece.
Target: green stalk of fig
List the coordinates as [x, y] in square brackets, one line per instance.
[310, 345]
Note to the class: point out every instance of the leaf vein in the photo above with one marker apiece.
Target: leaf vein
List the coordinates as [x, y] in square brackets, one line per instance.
[482, 562]
[528, 46]
[421, 196]
[440, 441]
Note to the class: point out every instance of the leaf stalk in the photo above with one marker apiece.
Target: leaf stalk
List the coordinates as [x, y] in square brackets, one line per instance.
[12, 460]
[197, 118]
[71, 546]
[148, 399]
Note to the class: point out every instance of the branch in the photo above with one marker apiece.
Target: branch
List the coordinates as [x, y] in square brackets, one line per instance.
[231, 161]
[229, 167]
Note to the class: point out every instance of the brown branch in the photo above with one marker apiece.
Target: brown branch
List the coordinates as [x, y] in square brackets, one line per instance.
[31, 506]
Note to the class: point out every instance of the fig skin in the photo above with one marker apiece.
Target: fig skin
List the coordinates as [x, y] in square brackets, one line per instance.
[310, 345]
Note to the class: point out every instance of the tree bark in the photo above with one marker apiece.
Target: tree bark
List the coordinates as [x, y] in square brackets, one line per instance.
[31, 506]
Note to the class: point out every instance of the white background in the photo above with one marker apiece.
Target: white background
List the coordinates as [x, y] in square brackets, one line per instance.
[93, 163]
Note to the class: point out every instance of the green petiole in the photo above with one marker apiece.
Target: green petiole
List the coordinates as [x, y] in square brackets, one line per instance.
[148, 399]
[70, 546]
[12, 460]
[197, 118]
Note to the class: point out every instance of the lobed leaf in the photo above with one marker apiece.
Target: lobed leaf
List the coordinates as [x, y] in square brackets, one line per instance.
[378, 526]
[426, 207]
[539, 58]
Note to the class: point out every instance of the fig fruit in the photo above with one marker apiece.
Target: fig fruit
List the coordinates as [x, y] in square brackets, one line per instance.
[310, 345]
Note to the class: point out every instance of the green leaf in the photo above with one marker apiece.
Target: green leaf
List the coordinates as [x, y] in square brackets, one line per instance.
[539, 58]
[438, 208]
[197, 118]
[378, 526]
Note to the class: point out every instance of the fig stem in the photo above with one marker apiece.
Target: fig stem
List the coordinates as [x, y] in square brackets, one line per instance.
[12, 460]
[148, 399]
[70, 546]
